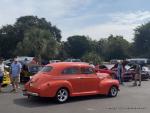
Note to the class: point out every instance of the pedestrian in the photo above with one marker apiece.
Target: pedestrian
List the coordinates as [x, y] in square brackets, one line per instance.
[120, 72]
[91, 64]
[1, 73]
[137, 76]
[15, 71]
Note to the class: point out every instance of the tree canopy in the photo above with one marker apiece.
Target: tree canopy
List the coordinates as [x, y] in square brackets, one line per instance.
[12, 35]
[33, 36]
[142, 40]
[77, 46]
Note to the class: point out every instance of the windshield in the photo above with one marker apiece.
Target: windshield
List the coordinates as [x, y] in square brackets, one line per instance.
[46, 69]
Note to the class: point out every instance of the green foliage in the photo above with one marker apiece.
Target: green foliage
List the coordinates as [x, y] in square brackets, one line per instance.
[8, 41]
[92, 58]
[77, 46]
[38, 42]
[28, 22]
[33, 36]
[12, 36]
[116, 48]
[142, 41]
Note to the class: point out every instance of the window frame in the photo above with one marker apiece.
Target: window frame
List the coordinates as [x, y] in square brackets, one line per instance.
[93, 71]
[78, 70]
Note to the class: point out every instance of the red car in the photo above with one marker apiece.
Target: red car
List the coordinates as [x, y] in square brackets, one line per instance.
[105, 69]
[67, 79]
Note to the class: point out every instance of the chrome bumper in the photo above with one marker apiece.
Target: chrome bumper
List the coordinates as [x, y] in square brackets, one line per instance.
[27, 93]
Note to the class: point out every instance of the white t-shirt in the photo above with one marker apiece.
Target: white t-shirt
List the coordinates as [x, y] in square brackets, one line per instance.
[1, 69]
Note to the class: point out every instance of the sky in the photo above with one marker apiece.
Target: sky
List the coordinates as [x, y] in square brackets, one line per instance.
[94, 18]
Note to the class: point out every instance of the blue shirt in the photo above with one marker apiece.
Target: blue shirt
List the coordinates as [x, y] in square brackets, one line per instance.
[15, 69]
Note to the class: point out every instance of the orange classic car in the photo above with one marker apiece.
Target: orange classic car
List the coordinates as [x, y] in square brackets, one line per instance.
[67, 79]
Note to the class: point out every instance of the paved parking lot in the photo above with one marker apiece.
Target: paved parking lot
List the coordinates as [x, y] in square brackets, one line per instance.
[130, 100]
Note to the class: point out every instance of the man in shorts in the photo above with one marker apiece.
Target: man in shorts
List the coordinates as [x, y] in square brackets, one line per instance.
[1, 73]
[15, 74]
[137, 75]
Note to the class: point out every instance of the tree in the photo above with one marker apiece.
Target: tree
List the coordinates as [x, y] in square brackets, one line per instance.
[77, 46]
[11, 35]
[142, 41]
[116, 48]
[38, 42]
[27, 22]
[8, 41]
[98, 47]
[92, 58]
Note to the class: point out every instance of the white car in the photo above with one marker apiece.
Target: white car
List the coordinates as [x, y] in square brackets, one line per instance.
[146, 69]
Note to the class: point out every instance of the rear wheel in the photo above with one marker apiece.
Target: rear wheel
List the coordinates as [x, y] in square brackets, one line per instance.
[113, 91]
[62, 95]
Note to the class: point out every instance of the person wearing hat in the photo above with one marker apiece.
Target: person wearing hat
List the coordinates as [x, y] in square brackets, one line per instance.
[1, 73]
[15, 70]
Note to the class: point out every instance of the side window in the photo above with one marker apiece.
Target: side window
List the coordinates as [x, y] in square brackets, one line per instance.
[87, 70]
[71, 70]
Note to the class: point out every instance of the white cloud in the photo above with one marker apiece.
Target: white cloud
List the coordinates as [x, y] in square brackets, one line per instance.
[54, 10]
[131, 17]
[75, 16]
[120, 24]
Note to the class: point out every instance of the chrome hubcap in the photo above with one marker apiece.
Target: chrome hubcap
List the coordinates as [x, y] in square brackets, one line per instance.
[114, 91]
[62, 95]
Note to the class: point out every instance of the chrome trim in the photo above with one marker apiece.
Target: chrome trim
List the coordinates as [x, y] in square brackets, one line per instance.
[26, 93]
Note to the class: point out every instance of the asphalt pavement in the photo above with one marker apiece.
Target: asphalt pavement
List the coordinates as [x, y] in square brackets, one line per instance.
[129, 100]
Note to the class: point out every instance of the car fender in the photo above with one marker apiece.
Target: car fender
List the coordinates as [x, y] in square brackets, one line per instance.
[54, 86]
[106, 84]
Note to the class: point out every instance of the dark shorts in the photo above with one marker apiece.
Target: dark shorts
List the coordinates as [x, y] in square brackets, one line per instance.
[1, 80]
[15, 79]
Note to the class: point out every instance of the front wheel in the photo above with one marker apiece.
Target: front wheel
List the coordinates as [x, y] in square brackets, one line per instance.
[113, 91]
[62, 95]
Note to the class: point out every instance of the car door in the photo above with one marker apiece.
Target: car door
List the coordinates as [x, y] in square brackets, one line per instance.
[90, 82]
[71, 74]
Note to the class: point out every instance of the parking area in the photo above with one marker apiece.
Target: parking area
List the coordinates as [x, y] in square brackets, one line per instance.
[129, 100]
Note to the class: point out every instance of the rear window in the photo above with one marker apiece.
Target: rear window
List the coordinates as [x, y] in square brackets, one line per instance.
[46, 69]
[34, 69]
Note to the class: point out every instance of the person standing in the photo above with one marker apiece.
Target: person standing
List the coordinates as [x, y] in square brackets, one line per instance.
[137, 75]
[120, 72]
[15, 71]
[1, 73]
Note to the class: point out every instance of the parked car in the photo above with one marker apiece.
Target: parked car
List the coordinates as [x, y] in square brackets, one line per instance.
[28, 70]
[67, 79]
[127, 74]
[131, 72]
[146, 69]
[106, 69]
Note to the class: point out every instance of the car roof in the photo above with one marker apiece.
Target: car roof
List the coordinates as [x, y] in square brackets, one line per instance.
[60, 66]
[67, 64]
